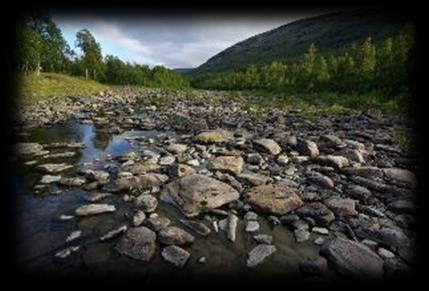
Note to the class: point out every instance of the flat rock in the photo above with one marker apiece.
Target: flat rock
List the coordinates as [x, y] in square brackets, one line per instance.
[254, 179]
[269, 146]
[401, 177]
[175, 255]
[48, 179]
[197, 193]
[342, 206]
[72, 181]
[332, 161]
[28, 148]
[176, 148]
[258, 254]
[214, 136]
[172, 235]
[274, 199]
[93, 209]
[232, 164]
[353, 259]
[53, 168]
[138, 243]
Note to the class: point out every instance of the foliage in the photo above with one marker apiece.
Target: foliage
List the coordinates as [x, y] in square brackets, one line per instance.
[360, 69]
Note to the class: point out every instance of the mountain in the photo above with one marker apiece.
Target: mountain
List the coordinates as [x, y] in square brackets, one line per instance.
[329, 32]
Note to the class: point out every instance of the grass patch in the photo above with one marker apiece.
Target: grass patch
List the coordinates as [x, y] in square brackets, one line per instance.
[33, 88]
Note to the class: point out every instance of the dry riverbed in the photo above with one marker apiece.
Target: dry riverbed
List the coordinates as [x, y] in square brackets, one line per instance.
[161, 183]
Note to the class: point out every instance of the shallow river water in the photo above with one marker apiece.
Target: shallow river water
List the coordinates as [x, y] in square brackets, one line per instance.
[42, 233]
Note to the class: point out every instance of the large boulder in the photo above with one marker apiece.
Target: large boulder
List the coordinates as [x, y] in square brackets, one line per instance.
[353, 259]
[138, 243]
[194, 194]
[274, 199]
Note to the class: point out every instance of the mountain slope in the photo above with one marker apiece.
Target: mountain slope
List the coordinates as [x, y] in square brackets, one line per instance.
[328, 32]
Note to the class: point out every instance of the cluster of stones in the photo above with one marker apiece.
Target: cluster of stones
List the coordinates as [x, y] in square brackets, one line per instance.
[352, 192]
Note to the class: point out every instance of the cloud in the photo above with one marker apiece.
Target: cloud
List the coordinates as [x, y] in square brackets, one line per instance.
[173, 42]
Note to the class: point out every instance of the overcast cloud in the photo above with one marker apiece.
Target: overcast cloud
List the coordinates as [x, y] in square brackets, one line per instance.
[172, 42]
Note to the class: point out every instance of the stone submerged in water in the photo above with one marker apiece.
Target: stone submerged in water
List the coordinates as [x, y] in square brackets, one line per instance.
[232, 164]
[138, 243]
[229, 225]
[175, 255]
[198, 227]
[314, 266]
[353, 259]
[274, 199]
[197, 193]
[114, 233]
[172, 235]
[269, 146]
[93, 209]
[259, 254]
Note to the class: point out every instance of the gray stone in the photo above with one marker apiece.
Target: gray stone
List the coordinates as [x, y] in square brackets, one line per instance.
[258, 254]
[252, 226]
[301, 235]
[172, 235]
[263, 239]
[146, 202]
[269, 145]
[175, 255]
[353, 259]
[196, 193]
[274, 199]
[138, 243]
[48, 179]
[139, 217]
[308, 148]
[53, 168]
[93, 209]
[197, 226]
[314, 266]
[231, 164]
[114, 233]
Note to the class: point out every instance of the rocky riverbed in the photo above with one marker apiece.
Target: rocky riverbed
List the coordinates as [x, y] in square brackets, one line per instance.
[159, 183]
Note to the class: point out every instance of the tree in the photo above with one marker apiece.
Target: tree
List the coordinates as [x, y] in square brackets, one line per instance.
[92, 57]
[29, 49]
[53, 45]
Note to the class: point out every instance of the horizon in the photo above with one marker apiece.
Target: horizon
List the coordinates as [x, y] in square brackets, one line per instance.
[175, 43]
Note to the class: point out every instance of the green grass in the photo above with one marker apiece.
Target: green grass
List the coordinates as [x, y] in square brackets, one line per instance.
[33, 88]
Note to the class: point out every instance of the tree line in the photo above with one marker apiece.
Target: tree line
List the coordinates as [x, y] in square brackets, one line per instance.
[41, 47]
[383, 68]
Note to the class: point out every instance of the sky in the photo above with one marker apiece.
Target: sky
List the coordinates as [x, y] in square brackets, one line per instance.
[173, 42]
